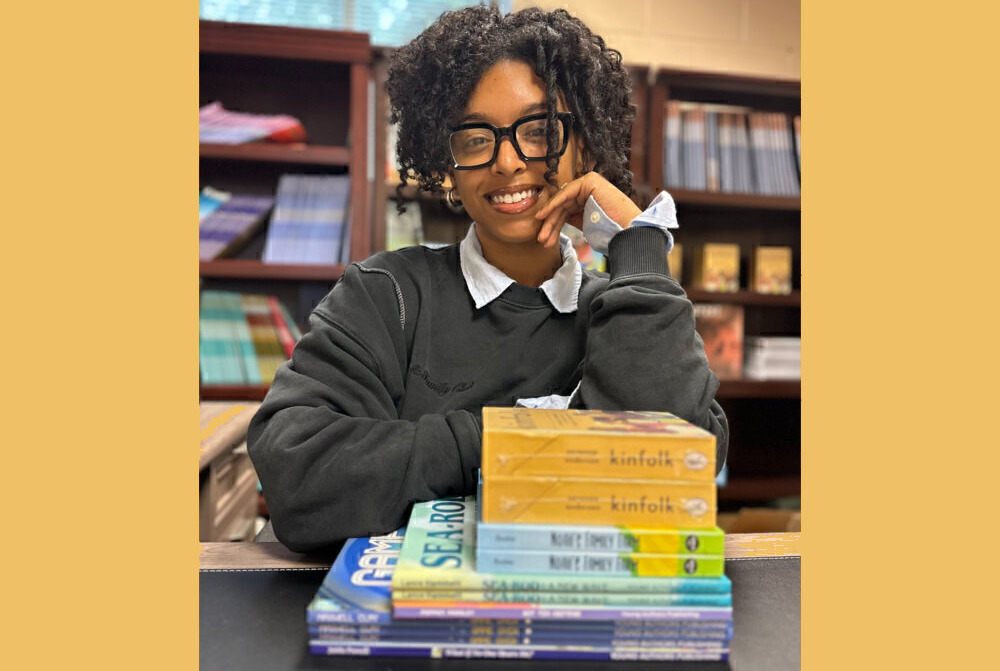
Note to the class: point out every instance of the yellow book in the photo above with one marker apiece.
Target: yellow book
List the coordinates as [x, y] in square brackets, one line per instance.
[561, 500]
[717, 267]
[675, 259]
[771, 270]
[595, 443]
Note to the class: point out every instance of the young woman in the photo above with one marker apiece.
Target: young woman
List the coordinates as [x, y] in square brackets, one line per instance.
[380, 406]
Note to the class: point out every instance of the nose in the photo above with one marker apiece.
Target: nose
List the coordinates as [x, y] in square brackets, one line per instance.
[508, 162]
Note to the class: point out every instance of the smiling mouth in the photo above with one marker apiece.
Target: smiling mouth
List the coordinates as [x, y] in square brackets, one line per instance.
[514, 197]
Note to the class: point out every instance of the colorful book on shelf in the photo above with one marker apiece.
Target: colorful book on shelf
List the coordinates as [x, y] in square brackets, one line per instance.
[281, 328]
[716, 267]
[797, 127]
[721, 329]
[218, 125]
[525, 651]
[727, 172]
[693, 146]
[712, 176]
[209, 200]
[267, 345]
[672, 139]
[309, 220]
[228, 228]
[771, 269]
[522, 442]
[743, 167]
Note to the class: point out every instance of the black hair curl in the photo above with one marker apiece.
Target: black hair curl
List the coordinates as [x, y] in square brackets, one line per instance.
[431, 78]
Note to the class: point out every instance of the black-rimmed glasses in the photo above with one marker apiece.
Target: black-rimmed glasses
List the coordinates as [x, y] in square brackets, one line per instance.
[476, 145]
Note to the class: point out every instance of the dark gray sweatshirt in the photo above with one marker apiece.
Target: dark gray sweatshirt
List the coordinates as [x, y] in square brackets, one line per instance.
[380, 405]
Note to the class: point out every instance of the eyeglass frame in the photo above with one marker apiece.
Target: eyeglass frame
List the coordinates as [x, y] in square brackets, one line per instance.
[565, 118]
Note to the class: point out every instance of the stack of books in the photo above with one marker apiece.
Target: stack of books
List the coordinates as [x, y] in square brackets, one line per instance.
[243, 338]
[227, 222]
[217, 125]
[773, 358]
[309, 223]
[730, 149]
[635, 574]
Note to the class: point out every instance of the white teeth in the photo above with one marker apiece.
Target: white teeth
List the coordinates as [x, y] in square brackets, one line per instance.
[509, 198]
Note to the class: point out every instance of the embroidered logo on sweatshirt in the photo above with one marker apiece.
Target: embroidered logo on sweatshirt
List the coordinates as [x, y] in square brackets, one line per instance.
[439, 388]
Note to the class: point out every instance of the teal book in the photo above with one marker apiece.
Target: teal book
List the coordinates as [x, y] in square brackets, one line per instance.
[439, 553]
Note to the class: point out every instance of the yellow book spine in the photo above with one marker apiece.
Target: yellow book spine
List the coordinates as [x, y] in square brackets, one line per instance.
[637, 503]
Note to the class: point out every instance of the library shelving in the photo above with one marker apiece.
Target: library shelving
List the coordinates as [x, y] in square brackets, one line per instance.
[765, 416]
[320, 77]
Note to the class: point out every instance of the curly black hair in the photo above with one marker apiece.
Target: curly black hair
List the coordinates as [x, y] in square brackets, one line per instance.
[431, 78]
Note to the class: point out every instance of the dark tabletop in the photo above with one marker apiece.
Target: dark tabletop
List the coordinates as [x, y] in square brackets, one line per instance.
[256, 619]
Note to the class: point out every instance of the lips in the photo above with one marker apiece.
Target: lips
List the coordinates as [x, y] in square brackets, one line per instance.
[513, 200]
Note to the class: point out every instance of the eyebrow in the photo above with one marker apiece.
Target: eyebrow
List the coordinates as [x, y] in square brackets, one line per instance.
[525, 111]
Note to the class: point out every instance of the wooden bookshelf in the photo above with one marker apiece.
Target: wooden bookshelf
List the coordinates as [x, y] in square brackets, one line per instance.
[792, 300]
[263, 152]
[253, 269]
[764, 415]
[321, 78]
[759, 389]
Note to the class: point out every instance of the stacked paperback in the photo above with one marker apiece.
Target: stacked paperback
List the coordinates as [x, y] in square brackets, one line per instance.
[218, 125]
[593, 537]
[773, 358]
[708, 147]
[228, 221]
[243, 338]
[309, 223]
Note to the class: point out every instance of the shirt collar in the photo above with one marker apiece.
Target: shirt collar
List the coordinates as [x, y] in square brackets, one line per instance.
[486, 282]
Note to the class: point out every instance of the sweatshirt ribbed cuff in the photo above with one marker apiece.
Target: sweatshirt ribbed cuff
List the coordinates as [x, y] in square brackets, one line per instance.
[637, 250]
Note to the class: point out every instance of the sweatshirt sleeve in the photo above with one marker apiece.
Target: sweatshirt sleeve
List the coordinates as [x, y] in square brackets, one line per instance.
[333, 457]
[643, 352]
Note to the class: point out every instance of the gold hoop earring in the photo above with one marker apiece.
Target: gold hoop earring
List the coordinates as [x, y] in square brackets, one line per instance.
[453, 202]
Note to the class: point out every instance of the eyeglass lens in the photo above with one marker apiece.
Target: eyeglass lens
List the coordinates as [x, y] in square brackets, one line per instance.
[475, 146]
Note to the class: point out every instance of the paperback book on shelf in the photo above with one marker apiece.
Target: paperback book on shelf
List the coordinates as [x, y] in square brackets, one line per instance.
[239, 341]
[773, 358]
[771, 269]
[310, 220]
[721, 329]
[717, 267]
[218, 125]
[229, 223]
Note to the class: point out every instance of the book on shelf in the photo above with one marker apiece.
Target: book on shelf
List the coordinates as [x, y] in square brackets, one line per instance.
[228, 227]
[744, 177]
[716, 267]
[581, 562]
[727, 167]
[403, 229]
[712, 169]
[209, 200]
[310, 220]
[721, 329]
[672, 140]
[693, 147]
[218, 125]
[238, 339]
[797, 129]
[675, 260]
[773, 358]
[771, 269]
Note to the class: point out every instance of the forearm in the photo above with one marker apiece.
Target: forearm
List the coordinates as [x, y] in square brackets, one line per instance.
[334, 458]
[643, 352]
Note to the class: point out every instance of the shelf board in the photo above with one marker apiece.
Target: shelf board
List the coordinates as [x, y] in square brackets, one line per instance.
[252, 269]
[793, 299]
[278, 153]
[743, 200]
[759, 389]
[234, 392]
[760, 488]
